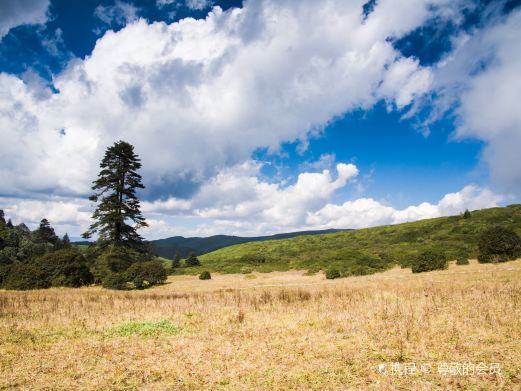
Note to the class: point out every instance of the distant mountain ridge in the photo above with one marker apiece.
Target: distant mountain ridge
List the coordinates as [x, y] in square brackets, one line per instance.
[167, 248]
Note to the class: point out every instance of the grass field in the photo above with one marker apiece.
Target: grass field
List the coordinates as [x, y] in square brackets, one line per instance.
[281, 330]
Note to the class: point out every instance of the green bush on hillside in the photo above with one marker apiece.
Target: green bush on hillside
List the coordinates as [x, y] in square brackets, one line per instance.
[331, 274]
[429, 260]
[192, 260]
[498, 244]
[205, 276]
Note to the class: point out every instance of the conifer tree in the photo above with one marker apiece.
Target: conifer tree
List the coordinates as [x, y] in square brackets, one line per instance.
[66, 242]
[45, 233]
[176, 261]
[118, 216]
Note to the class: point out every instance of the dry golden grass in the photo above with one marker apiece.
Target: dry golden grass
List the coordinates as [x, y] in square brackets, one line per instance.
[274, 331]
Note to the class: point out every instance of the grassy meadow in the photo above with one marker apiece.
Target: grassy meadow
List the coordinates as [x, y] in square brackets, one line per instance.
[280, 330]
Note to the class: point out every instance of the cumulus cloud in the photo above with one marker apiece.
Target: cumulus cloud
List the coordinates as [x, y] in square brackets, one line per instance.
[198, 96]
[20, 12]
[367, 212]
[237, 202]
[481, 78]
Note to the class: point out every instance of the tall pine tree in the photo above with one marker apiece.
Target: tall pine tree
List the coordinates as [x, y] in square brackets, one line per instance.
[115, 193]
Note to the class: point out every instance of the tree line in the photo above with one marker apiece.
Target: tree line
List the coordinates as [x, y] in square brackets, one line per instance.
[119, 259]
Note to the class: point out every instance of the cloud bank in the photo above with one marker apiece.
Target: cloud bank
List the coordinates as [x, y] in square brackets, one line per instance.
[20, 12]
[198, 96]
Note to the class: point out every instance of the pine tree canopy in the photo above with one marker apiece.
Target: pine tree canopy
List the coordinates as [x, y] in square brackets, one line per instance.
[118, 216]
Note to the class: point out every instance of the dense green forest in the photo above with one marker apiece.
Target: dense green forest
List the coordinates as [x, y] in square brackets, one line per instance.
[366, 251]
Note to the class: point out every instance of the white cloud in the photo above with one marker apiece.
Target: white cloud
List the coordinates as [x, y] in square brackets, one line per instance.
[367, 212]
[20, 12]
[201, 95]
[120, 13]
[481, 76]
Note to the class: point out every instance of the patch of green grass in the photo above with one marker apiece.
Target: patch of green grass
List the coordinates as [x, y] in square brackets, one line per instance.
[145, 329]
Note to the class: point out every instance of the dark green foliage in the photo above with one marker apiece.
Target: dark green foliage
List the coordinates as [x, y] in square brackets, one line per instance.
[176, 261]
[429, 260]
[4, 271]
[116, 281]
[253, 258]
[115, 190]
[45, 233]
[25, 276]
[462, 258]
[114, 259]
[205, 276]
[499, 244]
[466, 214]
[145, 274]
[65, 242]
[66, 267]
[331, 274]
[192, 261]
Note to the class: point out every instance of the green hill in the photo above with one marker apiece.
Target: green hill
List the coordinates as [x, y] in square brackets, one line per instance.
[363, 251]
[166, 248]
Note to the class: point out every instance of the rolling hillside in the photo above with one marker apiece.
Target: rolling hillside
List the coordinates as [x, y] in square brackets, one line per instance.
[363, 251]
[166, 248]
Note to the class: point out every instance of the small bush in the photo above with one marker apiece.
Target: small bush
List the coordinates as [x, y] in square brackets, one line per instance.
[246, 270]
[254, 258]
[117, 281]
[462, 259]
[192, 261]
[428, 261]
[331, 274]
[205, 276]
[146, 274]
[498, 244]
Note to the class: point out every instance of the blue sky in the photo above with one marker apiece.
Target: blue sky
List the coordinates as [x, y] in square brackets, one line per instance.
[262, 117]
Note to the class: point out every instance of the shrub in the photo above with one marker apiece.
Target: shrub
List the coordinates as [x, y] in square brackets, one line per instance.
[462, 259]
[146, 274]
[4, 271]
[25, 276]
[205, 276]
[331, 274]
[114, 259]
[429, 260]
[116, 281]
[192, 260]
[253, 258]
[65, 267]
[176, 261]
[498, 244]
